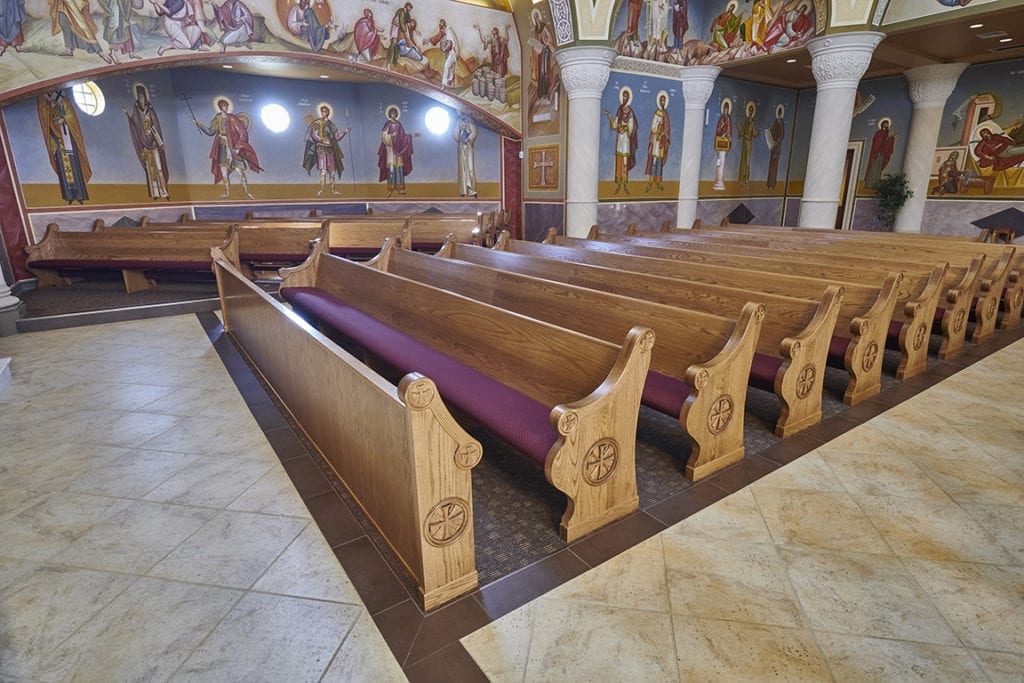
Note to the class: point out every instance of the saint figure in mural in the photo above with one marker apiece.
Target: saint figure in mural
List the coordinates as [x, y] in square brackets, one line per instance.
[394, 156]
[949, 176]
[881, 151]
[236, 24]
[723, 143]
[304, 23]
[74, 21]
[542, 57]
[748, 132]
[323, 150]
[954, 3]
[446, 39]
[774, 137]
[633, 8]
[464, 133]
[997, 151]
[366, 37]
[658, 143]
[725, 29]
[148, 141]
[403, 37]
[64, 145]
[497, 45]
[680, 22]
[231, 150]
[117, 27]
[758, 24]
[788, 28]
[180, 25]
[624, 124]
[657, 28]
[12, 16]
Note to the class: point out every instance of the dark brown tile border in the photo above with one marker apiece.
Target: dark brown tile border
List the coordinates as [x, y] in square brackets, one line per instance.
[427, 645]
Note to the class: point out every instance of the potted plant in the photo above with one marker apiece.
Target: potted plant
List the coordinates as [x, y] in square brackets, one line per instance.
[893, 191]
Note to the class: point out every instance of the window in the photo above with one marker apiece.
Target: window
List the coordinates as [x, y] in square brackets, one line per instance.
[89, 98]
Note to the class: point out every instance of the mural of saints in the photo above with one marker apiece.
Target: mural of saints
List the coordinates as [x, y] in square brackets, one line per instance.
[774, 137]
[64, 145]
[12, 16]
[997, 151]
[74, 21]
[148, 141]
[464, 132]
[723, 143]
[304, 22]
[236, 24]
[323, 149]
[446, 39]
[394, 156]
[367, 38]
[658, 143]
[231, 150]
[181, 27]
[624, 124]
[881, 150]
[117, 27]
[748, 132]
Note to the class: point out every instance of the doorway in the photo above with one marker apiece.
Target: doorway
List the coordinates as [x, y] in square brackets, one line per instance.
[848, 189]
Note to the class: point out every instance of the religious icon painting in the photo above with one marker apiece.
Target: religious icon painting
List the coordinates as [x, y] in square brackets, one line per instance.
[542, 162]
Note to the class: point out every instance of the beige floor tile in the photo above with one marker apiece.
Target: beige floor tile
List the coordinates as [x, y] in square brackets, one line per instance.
[135, 539]
[925, 440]
[980, 482]
[45, 606]
[219, 403]
[866, 438]
[272, 638]
[364, 656]
[932, 529]
[13, 500]
[50, 466]
[133, 396]
[271, 494]
[130, 430]
[852, 658]
[881, 474]
[53, 523]
[713, 650]
[502, 648]
[861, 594]
[133, 474]
[233, 549]
[1001, 667]
[575, 642]
[1005, 523]
[982, 602]
[1004, 444]
[734, 580]
[308, 568]
[736, 517]
[810, 473]
[143, 635]
[632, 580]
[210, 482]
[818, 519]
[73, 427]
[215, 437]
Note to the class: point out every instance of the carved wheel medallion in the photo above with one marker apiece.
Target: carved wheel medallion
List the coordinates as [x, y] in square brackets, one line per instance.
[421, 393]
[468, 455]
[920, 334]
[647, 341]
[990, 308]
[446, 521]
[568, 422]
[805, 381]
[1018, 298]
[870, 356]
[958, 323]
[600, 461]
[721, 414]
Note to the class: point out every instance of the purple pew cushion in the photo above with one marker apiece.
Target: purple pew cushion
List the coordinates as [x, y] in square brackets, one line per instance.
[892, 338]
[664, 394]
[355, 251]
[122, 264]
[763, 371]
[837, 351]
[516, 418]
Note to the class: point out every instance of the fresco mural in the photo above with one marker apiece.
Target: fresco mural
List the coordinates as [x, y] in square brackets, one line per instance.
[640, 141]
[683, 32]
[200, 135]
[544, 94]
[748, 130]
[980, 150]
[905, 10]
[469, 51]
[881, 120]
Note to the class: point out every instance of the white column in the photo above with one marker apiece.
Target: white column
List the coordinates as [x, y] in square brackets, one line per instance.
[584, 74]
[11, 308]
[838, 62]
[698, 83]
[930, 87]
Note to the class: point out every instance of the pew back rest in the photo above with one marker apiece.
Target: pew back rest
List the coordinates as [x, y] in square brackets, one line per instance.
[116, 245]
[366, 233]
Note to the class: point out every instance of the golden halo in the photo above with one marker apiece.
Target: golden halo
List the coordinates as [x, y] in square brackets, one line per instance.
[321, 105]
[721, 105]
[751, 108]
[139, 84]
[623, 89]
[389, 107]
[218, 98]
[780, 111]
[733, 5]
[657, 98]
[884, 119]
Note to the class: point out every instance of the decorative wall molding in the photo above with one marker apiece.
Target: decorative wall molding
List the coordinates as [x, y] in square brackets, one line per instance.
[634, 65]
[561, 15]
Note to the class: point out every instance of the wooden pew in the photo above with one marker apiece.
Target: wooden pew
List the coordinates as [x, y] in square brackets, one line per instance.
[568, 401]
[919, 297]
[955, 249]
[792, 348]
[420, 496]
[711, 354]
[133, 254]
[866, 310]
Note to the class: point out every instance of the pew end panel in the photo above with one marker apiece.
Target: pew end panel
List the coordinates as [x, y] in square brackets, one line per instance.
[918, 316]
[1013, 300]
[956, 310]
[986, 308]
[400, 453]
[869, 330]
[46, 249]
[713, 412]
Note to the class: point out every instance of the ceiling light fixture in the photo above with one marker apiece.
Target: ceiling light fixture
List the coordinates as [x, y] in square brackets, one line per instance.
[324, 76]
[1006, 40]
[227, 66]
[790, 61]
[977, 26]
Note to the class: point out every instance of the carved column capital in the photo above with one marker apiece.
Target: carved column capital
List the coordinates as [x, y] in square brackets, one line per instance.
[839, 61]
[931, 86]
[698, 82]
[585, 70]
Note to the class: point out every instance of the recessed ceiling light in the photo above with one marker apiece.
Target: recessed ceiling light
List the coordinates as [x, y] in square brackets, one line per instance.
[1006, 40]
[227, 66]
[977, 26]
[324, 76]
[790, 61]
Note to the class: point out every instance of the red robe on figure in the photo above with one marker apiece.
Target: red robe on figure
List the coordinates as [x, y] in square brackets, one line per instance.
[401, 145]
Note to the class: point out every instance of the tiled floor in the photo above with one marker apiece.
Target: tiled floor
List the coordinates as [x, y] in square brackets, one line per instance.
[155, 525]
